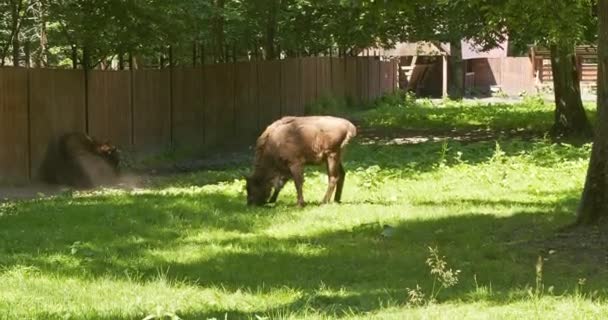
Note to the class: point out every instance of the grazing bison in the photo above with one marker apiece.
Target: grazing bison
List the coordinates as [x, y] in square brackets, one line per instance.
[287, 145]
[80, 161]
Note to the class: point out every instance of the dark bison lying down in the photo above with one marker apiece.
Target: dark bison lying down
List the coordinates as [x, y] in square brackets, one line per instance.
[287, 145]
[80, 161]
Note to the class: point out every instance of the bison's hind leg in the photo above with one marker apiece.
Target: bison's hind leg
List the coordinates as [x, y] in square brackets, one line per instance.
[297, 173]
[340, 186]
[334, 175]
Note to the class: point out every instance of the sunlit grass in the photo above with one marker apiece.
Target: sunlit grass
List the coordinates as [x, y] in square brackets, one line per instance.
[403, 111]
[188, 246]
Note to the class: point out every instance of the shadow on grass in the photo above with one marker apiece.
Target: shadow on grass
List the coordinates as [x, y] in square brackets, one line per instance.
[98, 237]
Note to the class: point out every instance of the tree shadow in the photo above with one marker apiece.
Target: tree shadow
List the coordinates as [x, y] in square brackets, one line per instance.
[354, 269]
[98, 234]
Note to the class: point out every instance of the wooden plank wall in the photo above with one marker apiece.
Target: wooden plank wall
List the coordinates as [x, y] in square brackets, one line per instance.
[14, 130]
[188, 107]
[110, 116]
[57, 107]
[338, 73]
[269, 92]
[308, 80]
[246, 101]
[291, 97]
[150, 110]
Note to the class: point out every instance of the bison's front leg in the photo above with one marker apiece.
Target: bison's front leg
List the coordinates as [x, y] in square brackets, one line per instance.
[278, 186]
[334, 175]
[297, 173]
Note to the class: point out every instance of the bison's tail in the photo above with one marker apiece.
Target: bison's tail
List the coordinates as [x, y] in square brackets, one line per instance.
[351, 132]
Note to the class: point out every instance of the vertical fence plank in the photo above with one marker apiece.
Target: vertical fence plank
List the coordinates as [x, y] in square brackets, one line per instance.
[151, 110]
[57, 106]
[363, 78]
[219, 104]
[387, 78]
[309, 80]
[227, 115]
[14, 148]
[352, 81]
[269, 86]
[395, 75]
[291, 102]
[374, 79]
[338, 77]
[323, 77]
[246, 102]
[188, 107]
[109, 104]
[211, 91]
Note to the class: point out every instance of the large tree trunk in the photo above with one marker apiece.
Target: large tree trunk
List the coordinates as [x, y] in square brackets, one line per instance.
[594, 202]
[456, 70]
[42, 57]
[570, 117]
[271, 30]
[218, 32]
[16, 30]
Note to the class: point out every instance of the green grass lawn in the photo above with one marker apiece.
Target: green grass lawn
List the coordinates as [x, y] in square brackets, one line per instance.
[188, 246]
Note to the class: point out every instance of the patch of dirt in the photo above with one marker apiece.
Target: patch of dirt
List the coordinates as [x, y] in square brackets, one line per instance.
[137, 177]
[215, 161]
[576, 245]
[30, 191]
[39, 190]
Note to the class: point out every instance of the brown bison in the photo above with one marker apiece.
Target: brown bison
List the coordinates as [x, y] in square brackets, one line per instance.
[80, 161]
[287, 145]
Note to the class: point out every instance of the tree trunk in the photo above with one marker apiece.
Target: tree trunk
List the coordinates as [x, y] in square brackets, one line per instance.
[570, 117]
[194, 54]
[42, 56]
[456, 70]
[121, 61]
[218, 31]
[594, 202]
[271, 30]
[27, 54]
[74, 57]
[86, 58]
[15, 30]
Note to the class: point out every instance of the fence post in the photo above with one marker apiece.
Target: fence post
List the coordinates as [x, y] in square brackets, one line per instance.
[171, 143]
[280, 88]
[86, 98]
[29, 126]
[132, 102]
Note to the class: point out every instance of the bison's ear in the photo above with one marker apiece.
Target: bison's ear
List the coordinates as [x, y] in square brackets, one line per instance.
[106, 148]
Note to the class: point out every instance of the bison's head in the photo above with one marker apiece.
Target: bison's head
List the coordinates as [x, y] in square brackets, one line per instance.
[109, 153]
[258, 191]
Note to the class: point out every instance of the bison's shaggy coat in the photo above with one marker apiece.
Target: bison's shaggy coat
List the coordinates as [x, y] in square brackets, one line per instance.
[77, 160]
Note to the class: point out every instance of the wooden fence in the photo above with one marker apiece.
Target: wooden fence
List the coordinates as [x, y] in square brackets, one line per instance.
[148, 110]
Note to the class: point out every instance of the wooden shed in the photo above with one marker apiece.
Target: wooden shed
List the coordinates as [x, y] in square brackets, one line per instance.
[586, 59]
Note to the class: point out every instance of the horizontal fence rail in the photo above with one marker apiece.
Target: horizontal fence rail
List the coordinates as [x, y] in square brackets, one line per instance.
[149, 110]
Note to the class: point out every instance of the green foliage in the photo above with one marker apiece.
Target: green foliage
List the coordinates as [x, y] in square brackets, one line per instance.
[222, 30]
[569, 22]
